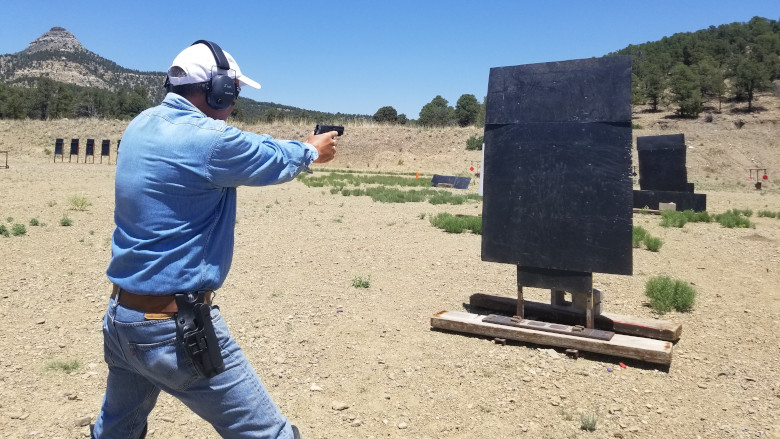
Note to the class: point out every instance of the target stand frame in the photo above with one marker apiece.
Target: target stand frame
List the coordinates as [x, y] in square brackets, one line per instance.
[579, 324]
[757, 179]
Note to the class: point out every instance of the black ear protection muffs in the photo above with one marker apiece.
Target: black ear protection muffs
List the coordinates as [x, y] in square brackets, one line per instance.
[221, 90]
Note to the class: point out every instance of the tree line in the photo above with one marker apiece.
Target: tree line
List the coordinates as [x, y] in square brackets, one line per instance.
[251, 111]
[47, 99]
[467, 112]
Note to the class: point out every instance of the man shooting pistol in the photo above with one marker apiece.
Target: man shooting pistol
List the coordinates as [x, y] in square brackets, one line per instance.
[176, 192]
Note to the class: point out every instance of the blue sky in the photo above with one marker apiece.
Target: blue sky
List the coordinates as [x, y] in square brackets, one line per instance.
[358, 56]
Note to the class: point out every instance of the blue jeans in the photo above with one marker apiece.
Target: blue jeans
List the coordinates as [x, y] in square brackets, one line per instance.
[144, 357]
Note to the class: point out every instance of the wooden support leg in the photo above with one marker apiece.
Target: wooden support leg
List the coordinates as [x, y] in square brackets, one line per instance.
[589, 317]
[520, 307]
[558, 298]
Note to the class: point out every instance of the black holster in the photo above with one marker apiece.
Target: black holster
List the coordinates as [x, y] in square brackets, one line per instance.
[195, 332]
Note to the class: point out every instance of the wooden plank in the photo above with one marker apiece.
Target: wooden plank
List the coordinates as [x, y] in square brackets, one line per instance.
[630, 325]
[647, 211]
[626, 346]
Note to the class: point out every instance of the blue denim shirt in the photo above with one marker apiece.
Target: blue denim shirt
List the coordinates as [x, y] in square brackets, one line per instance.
[176, 178]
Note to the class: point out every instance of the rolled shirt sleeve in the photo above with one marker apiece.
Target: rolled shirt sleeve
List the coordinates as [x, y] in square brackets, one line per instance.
[241, 158]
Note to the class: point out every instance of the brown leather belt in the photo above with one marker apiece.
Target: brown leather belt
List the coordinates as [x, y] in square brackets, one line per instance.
[151, 304]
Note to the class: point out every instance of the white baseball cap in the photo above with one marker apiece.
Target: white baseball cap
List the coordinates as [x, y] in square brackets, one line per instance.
[197, 64]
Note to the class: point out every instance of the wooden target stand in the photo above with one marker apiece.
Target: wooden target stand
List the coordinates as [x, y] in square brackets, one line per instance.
[576, 325]
[6, 160]
[538, 119]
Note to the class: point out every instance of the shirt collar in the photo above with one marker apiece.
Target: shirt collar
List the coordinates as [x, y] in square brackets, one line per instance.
[174, 100]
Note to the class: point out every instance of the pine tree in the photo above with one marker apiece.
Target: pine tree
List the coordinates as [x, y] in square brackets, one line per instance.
[437, 113]
[467, 110]
[686, 90]
[386, 114]
[750, 77]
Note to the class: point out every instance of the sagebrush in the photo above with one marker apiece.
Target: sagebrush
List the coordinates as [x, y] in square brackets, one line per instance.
[735, 218]
[457, 223]
[666, 294]
[79, 202]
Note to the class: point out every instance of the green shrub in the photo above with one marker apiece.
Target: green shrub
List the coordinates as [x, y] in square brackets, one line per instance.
[696, 217]
[457, 224]
[660, 290]
[35, 222]
[653, 244]
[684, 296]
[444, 197]
[474, 143]
[673, 218]
[638, 234]
[588, 421]
[734, 218]
[65, 221]
[340, 179]
[768, 214]
[79, 202]
[385, 194]
[360, 282]
[64, 366]
[387, 188]
[4, 231]
[18, 229]
[701, 217]
[354, 192]
[666, 294]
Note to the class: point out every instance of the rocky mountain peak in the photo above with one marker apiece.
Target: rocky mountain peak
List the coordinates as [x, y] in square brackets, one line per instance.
[56, 39]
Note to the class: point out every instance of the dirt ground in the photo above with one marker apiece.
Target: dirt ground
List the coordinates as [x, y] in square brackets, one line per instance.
[346, 362]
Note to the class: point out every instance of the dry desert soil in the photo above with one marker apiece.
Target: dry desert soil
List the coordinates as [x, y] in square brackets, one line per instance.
[347, 362]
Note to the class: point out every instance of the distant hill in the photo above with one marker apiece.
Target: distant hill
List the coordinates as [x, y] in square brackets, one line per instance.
[59, 56]
[90, 84]
[730, 61]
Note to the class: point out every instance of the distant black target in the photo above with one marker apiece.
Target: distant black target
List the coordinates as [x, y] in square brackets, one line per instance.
[105, 150]
[74, 149]
[58, 149]
[89, 150]
[663, 175]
